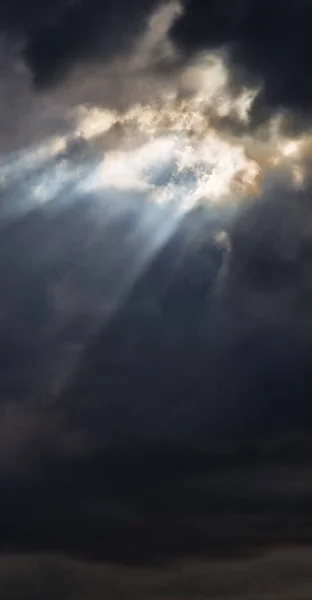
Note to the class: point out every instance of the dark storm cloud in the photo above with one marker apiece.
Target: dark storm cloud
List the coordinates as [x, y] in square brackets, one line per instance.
[181, 405]
[266, 315]
[226, 345]
[146, 431]
[193, 399]
[60, 34]
[268, 42]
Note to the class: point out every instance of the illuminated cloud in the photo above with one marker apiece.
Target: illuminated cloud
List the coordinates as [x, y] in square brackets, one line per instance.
[177, 131]
[184, 138]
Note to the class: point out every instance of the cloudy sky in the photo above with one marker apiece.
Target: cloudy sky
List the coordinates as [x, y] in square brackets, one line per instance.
[156, 299]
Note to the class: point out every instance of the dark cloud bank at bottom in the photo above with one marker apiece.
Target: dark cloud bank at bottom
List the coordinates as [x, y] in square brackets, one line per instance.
[285, 573]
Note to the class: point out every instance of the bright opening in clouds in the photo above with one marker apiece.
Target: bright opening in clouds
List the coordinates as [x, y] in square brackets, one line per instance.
[183, 139]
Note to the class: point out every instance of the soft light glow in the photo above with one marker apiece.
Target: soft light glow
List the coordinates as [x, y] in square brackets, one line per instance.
[291, 148]
[190, 144]
[179, 134]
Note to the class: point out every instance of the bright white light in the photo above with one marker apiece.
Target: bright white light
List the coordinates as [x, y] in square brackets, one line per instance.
[135, 169]
[291, 148]
[172, 169]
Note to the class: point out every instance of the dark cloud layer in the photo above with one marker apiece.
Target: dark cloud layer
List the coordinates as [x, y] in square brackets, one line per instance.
[221, 328]
[187, 417]
[268, 42]
[60, 34]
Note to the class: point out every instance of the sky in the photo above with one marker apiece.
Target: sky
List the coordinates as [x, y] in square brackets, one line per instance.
[155, 313]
